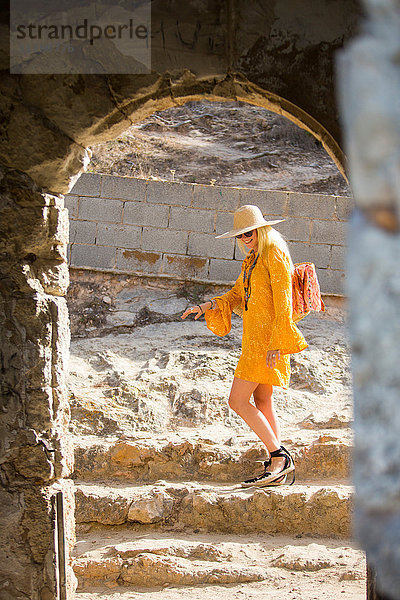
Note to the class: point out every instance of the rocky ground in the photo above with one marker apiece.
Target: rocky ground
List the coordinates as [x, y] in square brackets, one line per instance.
[230, 143]
[160, 457]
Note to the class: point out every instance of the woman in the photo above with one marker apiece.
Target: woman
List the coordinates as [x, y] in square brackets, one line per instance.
[263, 293]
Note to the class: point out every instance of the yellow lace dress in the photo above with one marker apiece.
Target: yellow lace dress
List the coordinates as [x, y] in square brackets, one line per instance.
[267, 322]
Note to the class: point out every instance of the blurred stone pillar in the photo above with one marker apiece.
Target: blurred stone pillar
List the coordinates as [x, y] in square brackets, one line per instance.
[369, 82]
[36, 498]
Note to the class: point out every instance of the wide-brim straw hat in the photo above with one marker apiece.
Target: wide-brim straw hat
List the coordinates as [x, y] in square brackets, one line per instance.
[246, 218]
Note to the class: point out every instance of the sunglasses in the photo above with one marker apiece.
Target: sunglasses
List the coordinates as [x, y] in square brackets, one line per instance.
[247, 234]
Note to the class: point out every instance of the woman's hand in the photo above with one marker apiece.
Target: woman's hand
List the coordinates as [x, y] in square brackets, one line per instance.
[272, 358]
[197, 310]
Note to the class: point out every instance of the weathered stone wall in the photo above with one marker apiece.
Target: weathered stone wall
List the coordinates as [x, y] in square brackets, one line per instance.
[35, 457]
[125, 224]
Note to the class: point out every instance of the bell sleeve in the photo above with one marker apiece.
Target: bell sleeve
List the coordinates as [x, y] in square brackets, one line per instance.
[285, 335]
[218, 319]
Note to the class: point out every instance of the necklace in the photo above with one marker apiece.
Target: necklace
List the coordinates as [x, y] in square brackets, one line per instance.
[247, 282]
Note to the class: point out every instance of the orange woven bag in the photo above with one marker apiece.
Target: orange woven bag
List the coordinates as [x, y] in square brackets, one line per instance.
[306, 294]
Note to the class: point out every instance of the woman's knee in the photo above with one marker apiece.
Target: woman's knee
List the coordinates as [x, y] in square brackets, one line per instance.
[240, 395]
[235, 403]
[263, 397]
[262, 400]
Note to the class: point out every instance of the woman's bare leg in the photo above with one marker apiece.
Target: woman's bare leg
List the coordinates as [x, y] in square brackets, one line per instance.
[264, 402]
[239, 401]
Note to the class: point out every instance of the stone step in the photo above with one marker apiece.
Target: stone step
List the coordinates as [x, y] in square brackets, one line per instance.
[117, 560]
[146, 461]
[315, 509]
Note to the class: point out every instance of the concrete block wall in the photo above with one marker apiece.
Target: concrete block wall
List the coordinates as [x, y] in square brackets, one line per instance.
[130, 225]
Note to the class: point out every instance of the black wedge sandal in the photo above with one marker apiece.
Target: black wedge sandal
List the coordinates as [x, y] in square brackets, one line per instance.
[255, 481]
[269, 479]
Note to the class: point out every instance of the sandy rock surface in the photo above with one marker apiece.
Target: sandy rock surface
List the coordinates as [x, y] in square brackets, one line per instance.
[258, 566]
[304, 509]
[152, 372]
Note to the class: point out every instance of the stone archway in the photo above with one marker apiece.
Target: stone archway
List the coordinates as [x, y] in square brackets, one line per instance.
[38, 459]
[60, 157]
[234, 86]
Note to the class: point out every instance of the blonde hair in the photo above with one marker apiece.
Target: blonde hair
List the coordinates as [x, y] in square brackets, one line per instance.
[268, 237]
